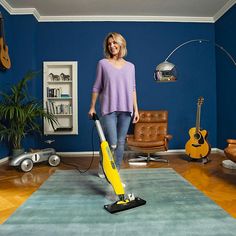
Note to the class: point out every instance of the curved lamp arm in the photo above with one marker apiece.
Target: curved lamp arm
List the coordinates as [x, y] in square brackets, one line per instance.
[200, 41]
[226, 52]
[187, 42]
[166, 71]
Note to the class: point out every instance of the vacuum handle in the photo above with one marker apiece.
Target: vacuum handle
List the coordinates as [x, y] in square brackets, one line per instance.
[95, 117]
[99, 127]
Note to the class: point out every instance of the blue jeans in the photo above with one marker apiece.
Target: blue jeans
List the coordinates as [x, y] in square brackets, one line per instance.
[115, 126]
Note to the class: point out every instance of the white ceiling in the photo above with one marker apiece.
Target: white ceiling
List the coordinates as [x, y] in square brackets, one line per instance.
[123, 10]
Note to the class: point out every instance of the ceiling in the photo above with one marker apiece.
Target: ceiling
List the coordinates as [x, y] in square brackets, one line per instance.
[121, 10]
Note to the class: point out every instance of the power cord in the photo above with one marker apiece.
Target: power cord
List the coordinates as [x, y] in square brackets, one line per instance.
[92, 159]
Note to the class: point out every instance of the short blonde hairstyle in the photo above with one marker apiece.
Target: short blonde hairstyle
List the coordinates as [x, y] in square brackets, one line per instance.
[120, 40]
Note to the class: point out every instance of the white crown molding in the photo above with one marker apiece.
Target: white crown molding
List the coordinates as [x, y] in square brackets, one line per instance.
[224, 9]
[33, 11]
[7, 7]
[125, 19]
[19, 11]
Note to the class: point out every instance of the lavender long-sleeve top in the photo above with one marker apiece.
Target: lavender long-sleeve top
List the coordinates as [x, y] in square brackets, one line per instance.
[115, 86]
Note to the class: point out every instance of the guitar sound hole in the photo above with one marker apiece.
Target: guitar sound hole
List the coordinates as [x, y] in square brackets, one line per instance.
[197, 136]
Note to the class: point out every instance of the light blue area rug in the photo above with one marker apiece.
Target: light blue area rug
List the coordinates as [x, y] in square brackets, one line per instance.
[70, 203]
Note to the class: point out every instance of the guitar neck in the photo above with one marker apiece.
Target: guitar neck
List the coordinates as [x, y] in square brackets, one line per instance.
[198, 118]
[2, 29]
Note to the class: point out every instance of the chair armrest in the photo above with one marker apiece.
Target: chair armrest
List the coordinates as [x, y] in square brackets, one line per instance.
[129, 136]
[231, 141]
[168, 136]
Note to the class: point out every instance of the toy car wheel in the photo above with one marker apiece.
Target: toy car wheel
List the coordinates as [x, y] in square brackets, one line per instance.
[54, 160]
[26, 165]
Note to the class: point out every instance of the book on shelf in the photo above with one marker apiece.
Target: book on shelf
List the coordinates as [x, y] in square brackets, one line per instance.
[54, 92]
[65, 95]
[61, 129]
[50, 107]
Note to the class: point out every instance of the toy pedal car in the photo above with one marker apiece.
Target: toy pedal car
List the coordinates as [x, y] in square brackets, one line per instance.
[26, 161]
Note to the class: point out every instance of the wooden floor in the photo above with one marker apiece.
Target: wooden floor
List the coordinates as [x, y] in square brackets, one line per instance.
[215, 181]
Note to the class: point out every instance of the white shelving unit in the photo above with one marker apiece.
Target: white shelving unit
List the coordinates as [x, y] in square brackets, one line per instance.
[60, 96]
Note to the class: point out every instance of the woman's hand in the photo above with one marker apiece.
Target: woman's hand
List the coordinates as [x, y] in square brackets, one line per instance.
[136, 113]
[92, 105]
[136, 117]
[91, 112]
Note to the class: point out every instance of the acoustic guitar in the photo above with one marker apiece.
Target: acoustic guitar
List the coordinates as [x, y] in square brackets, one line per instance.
[197, 146]
[5, 62]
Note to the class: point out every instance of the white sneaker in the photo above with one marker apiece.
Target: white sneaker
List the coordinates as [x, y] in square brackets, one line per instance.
[100, 172]
[102, 176]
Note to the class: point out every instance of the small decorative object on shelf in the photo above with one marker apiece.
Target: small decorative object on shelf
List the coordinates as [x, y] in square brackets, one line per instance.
[60, 97]
[65, 95]
[54, 77]
[65, 77]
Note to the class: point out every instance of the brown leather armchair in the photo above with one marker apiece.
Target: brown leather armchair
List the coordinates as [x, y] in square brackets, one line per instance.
[150, 135]
[230, 151]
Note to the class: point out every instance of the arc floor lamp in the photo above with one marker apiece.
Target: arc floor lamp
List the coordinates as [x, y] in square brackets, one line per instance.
[166, 71]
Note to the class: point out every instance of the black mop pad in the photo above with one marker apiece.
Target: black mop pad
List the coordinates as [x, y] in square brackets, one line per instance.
[115, 207]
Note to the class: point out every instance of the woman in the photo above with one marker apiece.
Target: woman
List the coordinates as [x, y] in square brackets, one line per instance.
[115, 86]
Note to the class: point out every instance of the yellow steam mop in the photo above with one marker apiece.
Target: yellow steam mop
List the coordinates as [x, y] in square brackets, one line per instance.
[113, 177]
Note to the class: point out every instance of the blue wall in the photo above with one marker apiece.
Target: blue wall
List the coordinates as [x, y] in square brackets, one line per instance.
[148, 45]
[20, 33]
[226, 78]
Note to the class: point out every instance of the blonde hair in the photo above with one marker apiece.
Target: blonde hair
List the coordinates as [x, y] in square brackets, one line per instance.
[120, 40]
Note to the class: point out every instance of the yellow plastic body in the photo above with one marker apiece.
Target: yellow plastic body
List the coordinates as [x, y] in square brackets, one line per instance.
[110, 169]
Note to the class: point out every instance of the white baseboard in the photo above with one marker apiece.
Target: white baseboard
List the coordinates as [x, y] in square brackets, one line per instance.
[182, 151]
[96, 153]
[3, 160]
[219, 151]
[76, 154]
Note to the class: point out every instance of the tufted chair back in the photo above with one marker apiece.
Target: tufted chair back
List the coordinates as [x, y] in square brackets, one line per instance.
[150, 133]
[152, 126]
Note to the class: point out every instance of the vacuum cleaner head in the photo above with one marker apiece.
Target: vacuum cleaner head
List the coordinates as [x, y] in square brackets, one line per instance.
[124, 205]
